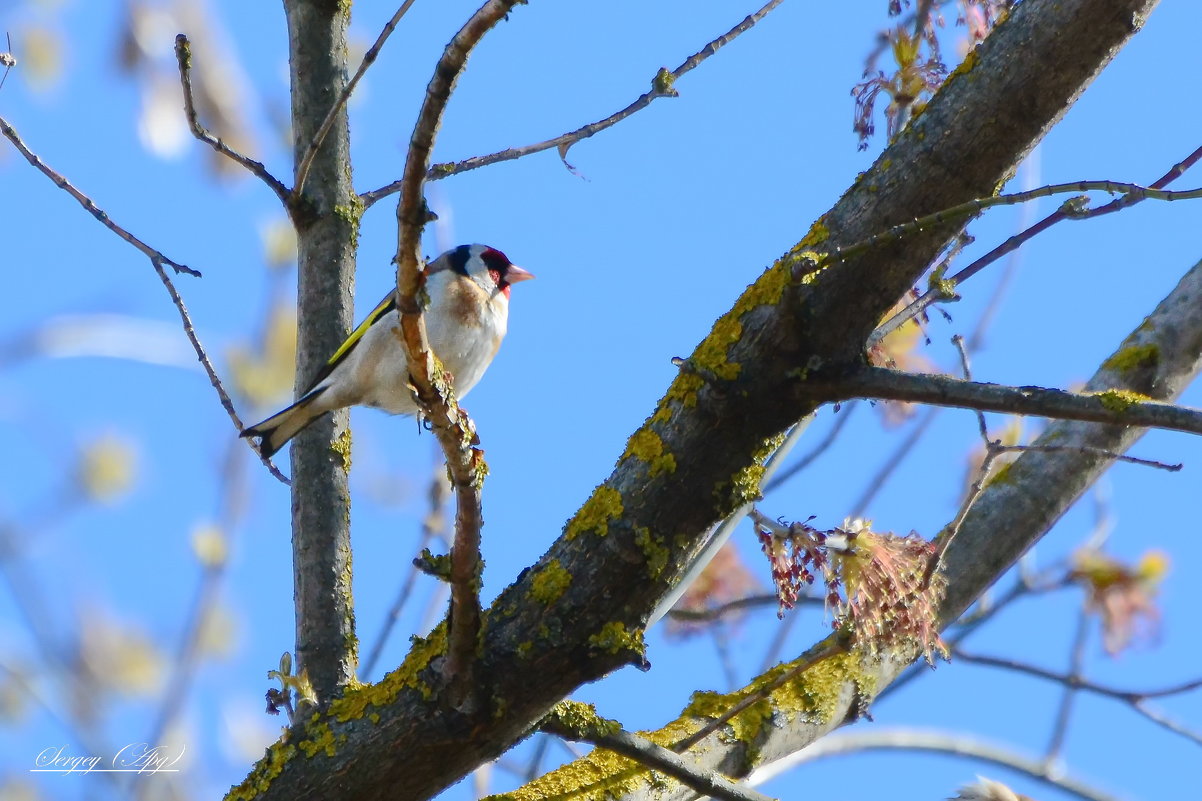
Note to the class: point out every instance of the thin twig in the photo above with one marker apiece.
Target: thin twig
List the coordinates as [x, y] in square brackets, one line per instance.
[975, 339]
[661, 86]
[536, 759]
[157, 259]
[723, 531]
[434, 522]
[1135, 698]
[1064, 212]
[183, 55]
[7, 60]
[1160, 719]
[817, 451]
[646, 753]
[993, 450]
[1065, 710]
[1075, 680]
[937, 742]
[211, 371]
[87, 203]
[369, 58]
[893, 462]
[730, 607]
[204, 602]
[1154, 463]
[978, 484]
[451, 425]
[721, 637]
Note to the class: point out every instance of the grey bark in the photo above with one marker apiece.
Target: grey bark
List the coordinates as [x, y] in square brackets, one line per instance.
[325, 219]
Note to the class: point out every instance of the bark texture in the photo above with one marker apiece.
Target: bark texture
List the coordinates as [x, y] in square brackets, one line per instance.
[326, 219]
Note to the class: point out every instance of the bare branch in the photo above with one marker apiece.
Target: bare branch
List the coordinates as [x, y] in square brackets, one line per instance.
[1012, 244]
[183, 55]
[737, 605]
[935, 742]
[85, 201]
[1065, 710]
[661, 86]
[814, 453]
[1111, 406]
[433, 524]
[893, 462]
[1164, 721]
[1136, 699]
[369, 58]
[1074, 680]
[157, 259]
[453, 428]
[211, 371]
[7, 60]
[213, 557]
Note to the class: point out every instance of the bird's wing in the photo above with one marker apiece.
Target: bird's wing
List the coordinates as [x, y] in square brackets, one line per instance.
[385, 306]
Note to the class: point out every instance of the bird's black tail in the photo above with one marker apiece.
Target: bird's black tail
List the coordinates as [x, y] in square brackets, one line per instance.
[275, 431]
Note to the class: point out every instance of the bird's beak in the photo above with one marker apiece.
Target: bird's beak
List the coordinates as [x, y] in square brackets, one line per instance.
[514, 274]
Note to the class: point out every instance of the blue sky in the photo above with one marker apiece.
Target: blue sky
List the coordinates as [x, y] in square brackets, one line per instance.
[672, 214]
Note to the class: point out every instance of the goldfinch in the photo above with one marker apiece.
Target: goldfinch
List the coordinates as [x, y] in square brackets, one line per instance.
[465, 322]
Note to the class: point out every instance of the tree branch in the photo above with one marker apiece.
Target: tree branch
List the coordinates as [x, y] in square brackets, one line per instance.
[1012, 244]
[183, 55]
[369, 58]
[1117, 407]
[157, 260]
[934, 742]
[85, 201]
[453, 428]
[661, 86]
[1073, 681]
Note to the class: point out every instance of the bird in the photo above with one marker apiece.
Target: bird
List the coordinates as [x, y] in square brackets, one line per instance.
[466, 320]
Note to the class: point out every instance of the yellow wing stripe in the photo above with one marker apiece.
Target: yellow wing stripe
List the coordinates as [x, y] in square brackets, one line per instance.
[385, 306]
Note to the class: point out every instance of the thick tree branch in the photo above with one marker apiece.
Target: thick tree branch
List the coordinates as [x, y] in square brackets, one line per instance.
[454, 430]
[183, 55]
[661, 86]
[700, 453]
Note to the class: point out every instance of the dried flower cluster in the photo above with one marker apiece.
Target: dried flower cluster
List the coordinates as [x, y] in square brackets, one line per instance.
[795, 551]
[882, 579]
[874, 581]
